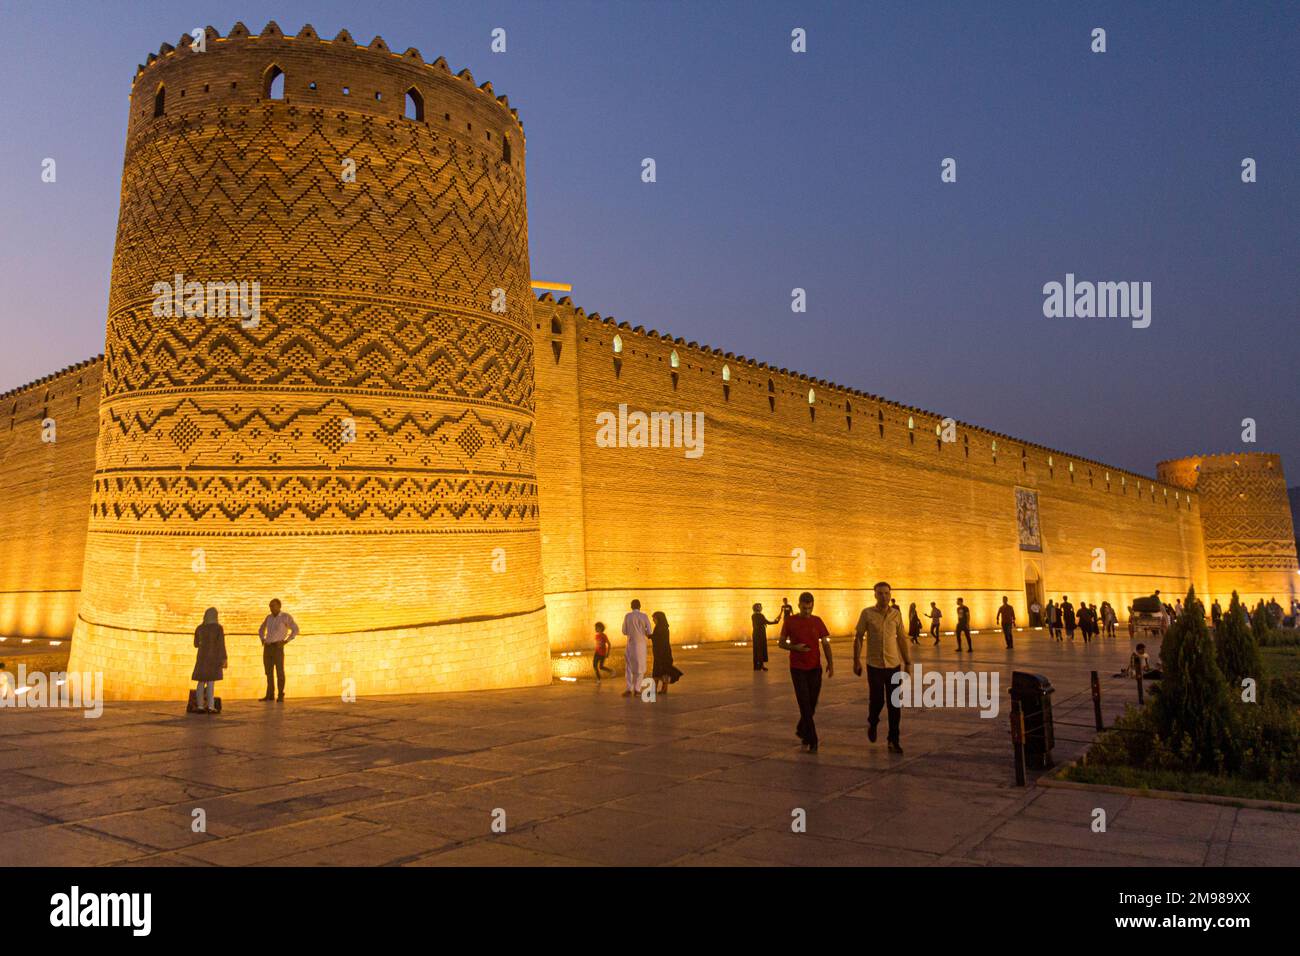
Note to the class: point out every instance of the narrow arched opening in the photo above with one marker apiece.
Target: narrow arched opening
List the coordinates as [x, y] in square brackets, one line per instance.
[414, 105]
[273, 83]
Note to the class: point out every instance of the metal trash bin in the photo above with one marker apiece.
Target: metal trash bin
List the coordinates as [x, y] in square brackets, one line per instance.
[1034, 694]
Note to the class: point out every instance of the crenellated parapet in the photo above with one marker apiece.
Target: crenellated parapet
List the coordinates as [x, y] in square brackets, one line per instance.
[853, 411]
[71, 376]
[318, 72]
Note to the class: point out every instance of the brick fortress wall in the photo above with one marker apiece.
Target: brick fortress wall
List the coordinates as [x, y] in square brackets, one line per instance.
[366, 453]
[844, 479]
[44, 499]
[474, 514]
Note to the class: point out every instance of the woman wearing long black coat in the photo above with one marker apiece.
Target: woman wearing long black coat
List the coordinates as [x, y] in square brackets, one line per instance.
[664, 673]
[210, 639]
[759, 637]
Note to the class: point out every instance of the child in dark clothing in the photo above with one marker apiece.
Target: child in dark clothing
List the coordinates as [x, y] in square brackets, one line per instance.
[602, 651]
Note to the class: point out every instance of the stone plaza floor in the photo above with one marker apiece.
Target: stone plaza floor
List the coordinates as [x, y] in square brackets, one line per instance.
[708, 775]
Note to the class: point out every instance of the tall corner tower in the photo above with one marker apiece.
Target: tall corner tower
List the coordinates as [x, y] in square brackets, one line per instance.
[1246, 519]
[346, 423]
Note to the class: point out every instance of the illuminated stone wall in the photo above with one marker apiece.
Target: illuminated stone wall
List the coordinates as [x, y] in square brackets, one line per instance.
[416, 475]
[44, 499]
[1246, 517]
[366, 452]
[844, 479]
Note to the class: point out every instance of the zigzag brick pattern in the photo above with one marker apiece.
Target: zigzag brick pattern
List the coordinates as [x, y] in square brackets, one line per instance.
[1246, 517]
[362, 447]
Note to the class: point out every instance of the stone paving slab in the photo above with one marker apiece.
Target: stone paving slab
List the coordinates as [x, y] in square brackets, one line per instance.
[708, 775]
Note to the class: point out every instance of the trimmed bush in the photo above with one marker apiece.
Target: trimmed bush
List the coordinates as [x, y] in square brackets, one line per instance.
[1235, 646]
[1261, 624]
[1191, 707]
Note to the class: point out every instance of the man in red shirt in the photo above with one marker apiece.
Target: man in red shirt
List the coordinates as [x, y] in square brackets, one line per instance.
[805, 636]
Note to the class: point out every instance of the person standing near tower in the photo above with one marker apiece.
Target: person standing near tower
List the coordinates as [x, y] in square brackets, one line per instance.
[1007, 619]
[963, 624]
[210, 662]
[886, 653]
[758, 636]
[935, 616]
[804, 635]
[636, 628]
[276, 631]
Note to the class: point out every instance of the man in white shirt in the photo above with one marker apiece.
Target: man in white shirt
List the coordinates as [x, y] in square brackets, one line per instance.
[276, 631]
[636, 628]
[887, 654]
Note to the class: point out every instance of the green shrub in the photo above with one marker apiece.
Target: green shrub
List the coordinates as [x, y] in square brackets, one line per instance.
[1134, 741]
[1191, 706]
[1281, 637]
[1261, 624]
[1195, 734]
[1236, 650]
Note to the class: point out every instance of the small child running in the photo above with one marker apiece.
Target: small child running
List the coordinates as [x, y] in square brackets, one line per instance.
[602, 651]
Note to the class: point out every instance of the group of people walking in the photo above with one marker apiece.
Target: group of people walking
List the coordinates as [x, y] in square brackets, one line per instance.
[277, 630]
[1089, 620]
[1006, 619]
[879, 632]
[881, 649]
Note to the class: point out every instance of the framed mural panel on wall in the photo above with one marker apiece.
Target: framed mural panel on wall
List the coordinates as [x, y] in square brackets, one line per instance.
[1031, 536]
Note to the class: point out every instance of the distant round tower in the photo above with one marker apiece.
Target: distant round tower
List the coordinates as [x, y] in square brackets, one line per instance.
[1246, 519]
[318, 380]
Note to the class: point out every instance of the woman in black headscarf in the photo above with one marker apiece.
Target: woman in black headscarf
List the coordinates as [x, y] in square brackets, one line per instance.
[664, 673]
[913, 623]
[759, 637]
[209, 663]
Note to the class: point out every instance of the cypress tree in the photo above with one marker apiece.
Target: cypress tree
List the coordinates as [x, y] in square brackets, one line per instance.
[1260, 624]
[1191, 705]
[1236, 648]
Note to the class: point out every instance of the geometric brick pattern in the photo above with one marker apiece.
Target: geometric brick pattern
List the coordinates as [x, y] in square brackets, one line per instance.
[365, 450]
[375, 310]
[324, 344]
[1247, 519]
[162, 502]
[1246, 522]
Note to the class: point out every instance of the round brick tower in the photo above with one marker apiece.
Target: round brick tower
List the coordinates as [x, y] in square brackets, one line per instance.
[346, 422]
[1246, 519]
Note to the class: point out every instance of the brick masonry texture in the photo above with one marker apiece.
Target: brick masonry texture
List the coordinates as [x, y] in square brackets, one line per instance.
[44, 499]
[365, 452]
[865, 487]
[474, 526]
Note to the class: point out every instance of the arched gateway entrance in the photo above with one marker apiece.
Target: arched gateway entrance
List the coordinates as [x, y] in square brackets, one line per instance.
[1034, 593]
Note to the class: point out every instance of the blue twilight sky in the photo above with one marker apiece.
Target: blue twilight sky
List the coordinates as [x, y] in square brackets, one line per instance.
[817, 170]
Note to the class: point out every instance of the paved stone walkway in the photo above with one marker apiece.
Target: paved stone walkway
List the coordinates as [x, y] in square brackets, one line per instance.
[707, 775]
